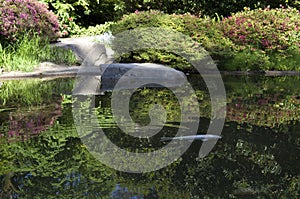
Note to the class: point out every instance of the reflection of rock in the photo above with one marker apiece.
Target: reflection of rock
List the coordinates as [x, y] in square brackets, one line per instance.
[136, 75]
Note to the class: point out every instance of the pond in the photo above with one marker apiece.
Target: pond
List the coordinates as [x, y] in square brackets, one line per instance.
[42, 155]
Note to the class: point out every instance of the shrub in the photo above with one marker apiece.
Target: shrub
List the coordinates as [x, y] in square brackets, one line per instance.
[268, 29]
[202, 30]
[19, 17]
[146, 19]
[251, 40]
[265, 39]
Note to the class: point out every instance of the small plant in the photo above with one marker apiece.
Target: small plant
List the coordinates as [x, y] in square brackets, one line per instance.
[19, 17]
[94, 30]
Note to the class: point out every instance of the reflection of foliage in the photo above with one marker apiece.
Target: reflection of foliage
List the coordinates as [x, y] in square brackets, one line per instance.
[267, 111]
[250, 160]
[271, 102]
[54, 163]
[32, 92]
[23, 125]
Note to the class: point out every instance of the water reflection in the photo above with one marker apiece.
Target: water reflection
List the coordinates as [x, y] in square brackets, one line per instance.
[258, 155]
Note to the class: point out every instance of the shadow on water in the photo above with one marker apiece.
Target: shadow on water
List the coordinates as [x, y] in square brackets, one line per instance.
[42, 156]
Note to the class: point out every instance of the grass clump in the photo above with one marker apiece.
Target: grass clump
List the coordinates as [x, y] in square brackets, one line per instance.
[27, 53]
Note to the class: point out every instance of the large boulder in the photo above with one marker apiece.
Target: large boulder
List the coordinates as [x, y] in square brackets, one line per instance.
[107, 77]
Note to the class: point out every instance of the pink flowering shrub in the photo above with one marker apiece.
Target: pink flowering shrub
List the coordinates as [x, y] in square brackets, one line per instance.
[19, 17]
[265, 29]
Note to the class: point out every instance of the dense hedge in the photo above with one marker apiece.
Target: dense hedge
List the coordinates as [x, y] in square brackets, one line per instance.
[260, 39]
[199, 29]
[92, 12]
[19, 17]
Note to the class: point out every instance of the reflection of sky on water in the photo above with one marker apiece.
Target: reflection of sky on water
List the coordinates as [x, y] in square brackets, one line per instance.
[123, 192]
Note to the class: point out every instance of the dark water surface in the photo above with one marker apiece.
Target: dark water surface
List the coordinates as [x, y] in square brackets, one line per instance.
[42, 156]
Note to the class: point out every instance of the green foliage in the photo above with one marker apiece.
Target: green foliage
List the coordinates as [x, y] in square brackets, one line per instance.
[204, 7]
[249, 40]
[212, 7]
[171, 6]
[65, 10]
[73, 15]
[248, 59]
[168, 47]
[94, 30]
[27, 53]
[146, 19]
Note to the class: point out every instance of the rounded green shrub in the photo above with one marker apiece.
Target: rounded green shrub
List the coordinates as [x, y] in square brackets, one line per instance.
[146, 19]
[20, 17]
[202, 30]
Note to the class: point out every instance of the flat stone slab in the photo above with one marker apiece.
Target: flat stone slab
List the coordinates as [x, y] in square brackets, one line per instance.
[45, 70]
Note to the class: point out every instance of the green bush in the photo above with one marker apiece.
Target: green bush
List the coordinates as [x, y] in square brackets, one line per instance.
[202, 30]
[94, 30]
[145, 20]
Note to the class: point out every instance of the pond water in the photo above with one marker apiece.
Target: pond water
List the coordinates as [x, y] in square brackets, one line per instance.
[42, 155]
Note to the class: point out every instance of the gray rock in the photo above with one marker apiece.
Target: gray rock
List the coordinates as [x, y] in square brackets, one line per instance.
[118, 76]
[86, 49]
